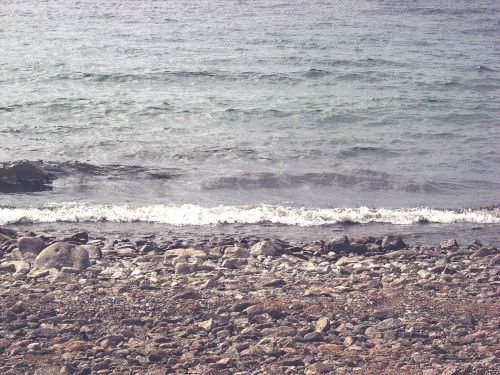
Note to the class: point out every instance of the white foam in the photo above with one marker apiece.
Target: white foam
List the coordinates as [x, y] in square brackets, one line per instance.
[189, 214]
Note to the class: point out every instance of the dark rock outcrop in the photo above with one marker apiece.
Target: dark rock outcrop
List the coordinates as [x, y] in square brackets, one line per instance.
[23, 176]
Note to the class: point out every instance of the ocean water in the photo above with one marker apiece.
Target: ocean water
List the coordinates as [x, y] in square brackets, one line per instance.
[299, 116]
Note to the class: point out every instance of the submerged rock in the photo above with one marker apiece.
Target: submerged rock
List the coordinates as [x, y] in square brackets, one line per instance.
[23, 176]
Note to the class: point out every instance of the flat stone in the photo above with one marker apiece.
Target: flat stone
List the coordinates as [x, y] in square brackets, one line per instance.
[236, 251]
[191, 252]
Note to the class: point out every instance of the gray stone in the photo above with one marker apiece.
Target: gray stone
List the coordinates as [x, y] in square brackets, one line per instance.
[322, 324]
[62, 254]
[33, 245]
[265, 247]
[94, 251]
[339, 243]
[236, 251]
[448, 244]
[184, 268]
[390, 243]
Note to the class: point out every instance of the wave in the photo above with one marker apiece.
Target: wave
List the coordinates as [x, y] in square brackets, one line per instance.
[189, 214]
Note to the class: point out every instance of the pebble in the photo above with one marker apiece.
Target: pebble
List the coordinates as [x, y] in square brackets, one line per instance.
[250, 305]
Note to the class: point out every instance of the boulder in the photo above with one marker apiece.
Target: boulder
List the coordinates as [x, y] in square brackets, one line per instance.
[63, 254]
[30, 247]
[338, 244]
[94, 251]
[266, 247]
[391, 243]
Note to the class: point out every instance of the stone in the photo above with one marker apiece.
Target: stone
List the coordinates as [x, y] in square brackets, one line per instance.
[30, 247]
[234, 263]
[391, 243]
[94, 251]
[338, 244]
[266, 247]
[322, 324]
[78, 238]
[272, 283]
[448, 244]
[188, 253]
[34, 346]
[313, 336]
[8, 232]
[207, 325]
[357, 248]
[184, 268]
[17, 266]
[236, 251]
[63, 254]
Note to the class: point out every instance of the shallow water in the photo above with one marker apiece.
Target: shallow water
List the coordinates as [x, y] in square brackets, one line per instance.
[321, 105]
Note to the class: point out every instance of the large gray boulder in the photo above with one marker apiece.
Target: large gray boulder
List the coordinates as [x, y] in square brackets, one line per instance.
[63, 254]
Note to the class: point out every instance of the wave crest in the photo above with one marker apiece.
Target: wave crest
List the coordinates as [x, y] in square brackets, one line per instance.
[189, 214]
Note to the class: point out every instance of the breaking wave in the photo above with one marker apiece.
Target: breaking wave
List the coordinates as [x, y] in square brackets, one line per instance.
[189, 214]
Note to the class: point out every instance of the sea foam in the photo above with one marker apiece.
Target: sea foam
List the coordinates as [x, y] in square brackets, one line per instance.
[189, 214]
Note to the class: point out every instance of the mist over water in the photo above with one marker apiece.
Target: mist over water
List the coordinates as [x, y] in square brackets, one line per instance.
[303, 106]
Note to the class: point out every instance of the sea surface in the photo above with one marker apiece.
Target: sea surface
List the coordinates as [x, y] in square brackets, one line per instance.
[300, 118]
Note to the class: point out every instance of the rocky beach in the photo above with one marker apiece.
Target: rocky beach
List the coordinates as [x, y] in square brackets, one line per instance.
[85, 304]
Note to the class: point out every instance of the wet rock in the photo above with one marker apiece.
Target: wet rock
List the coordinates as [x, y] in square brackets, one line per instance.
[448, 244]
[78, 238]
[266, 248]
[7, 232]
[391, 243]
[23, 176]
[338, 244]
[357, 248]
[62, 254]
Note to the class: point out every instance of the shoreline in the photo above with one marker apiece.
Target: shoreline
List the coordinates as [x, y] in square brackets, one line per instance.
[247, 305]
